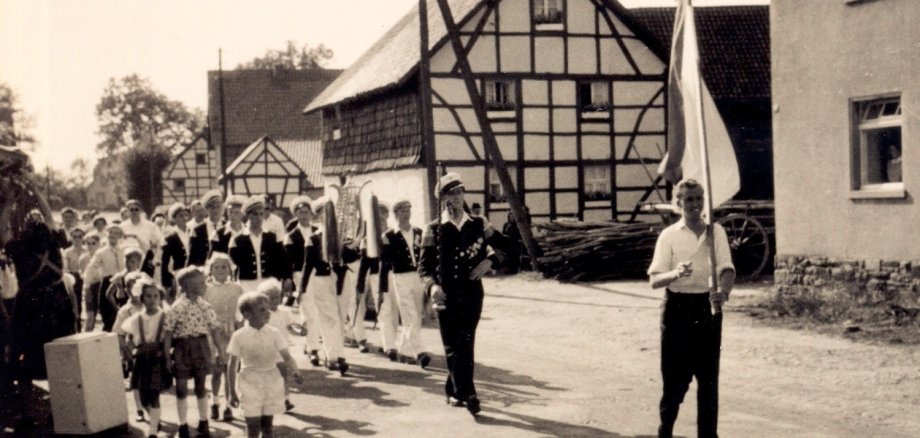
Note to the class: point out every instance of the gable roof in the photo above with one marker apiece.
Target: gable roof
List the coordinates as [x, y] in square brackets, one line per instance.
[260, 102]
[293, 156]
[394, 57]
[734, 46]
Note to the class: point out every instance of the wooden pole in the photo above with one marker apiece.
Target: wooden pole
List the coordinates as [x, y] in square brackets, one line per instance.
[426, 130]
[488, 137]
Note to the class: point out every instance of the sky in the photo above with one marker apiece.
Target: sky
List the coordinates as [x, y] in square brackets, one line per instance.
[59, 55]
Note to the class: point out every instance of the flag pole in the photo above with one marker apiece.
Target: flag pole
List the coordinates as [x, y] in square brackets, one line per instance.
[704, 159]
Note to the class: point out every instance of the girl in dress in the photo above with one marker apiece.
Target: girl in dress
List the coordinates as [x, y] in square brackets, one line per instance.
[145, 338]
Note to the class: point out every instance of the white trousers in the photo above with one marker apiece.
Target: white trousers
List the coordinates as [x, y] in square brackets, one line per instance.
[387, 315]
[308, 315]
[354, 326]
[328, 316]
[410, 297]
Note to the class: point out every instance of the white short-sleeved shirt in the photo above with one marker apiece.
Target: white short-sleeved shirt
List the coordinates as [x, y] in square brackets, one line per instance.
[124, 313]
[258, 349]
[151, 323]
[148, 233]
[281, 319]
[678, 243]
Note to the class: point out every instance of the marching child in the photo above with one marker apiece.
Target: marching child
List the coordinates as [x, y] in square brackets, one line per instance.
[131, 308]
[255, 348]
[280, 319]
[223, 294]
[145, 338]
[187, 325]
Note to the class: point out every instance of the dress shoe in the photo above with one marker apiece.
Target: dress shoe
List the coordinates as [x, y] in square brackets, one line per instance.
[362, 346]
[288, 405]
[228, 415]
[203, 428]
[183, 431]
[215, 411]
[472, 405]
[424, 360]
[351, 343]
[343, 366]
[409, 360]
[314, 358]
[391, 353]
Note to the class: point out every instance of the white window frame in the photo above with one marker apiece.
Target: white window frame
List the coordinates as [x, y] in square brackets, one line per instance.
[495, 192]
[864, 123]
[597, 180]
[599, 104]
[499, 98]
[548, 15]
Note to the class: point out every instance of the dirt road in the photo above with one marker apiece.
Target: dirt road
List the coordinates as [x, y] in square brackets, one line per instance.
[582, 360]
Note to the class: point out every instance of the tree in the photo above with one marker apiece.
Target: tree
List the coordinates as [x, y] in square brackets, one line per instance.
[291, 58]
[143, 172]
[131, 108]
[14, 123]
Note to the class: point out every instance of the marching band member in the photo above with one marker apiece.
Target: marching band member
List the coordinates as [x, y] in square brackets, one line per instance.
[453, 260]
[258, 254]
[233, 226]
[400, 258]
[175, 252]
[369, 275]
[295, 244]
[205, 233]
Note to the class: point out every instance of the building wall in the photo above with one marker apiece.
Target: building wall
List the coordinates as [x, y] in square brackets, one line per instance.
[824, 55]
[551, 146]
[187, 178]
[266, 170]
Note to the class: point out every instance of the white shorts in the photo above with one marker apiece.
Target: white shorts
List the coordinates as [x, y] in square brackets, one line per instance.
[261, 392]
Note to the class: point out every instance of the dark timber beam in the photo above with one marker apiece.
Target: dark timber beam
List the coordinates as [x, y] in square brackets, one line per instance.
[488, 137]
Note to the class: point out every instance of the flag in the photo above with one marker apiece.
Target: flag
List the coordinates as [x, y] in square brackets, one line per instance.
[687, 97]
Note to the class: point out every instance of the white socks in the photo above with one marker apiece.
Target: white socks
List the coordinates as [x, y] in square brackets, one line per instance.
[203, 408]
[182, 408]
[154, 421]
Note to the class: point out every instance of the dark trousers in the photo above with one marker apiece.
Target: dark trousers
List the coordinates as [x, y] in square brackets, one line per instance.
[689, 348]
[457, 323]
[107, 309]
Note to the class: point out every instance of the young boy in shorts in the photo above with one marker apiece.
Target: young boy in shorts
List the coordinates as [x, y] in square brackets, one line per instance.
[280, 319]
[188, 322]
[256, 349]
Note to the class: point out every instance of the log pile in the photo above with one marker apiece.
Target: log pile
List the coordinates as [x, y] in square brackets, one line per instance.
[595, 251]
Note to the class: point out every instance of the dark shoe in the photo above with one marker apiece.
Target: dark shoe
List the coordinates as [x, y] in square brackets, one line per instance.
[314, 358]
[343, 366]
[203, 428]
[362, 346]
[228, 415]
[140, 417]
[455, 402]
[424, 360]
[183, 431]
[288, 405]
[392, 355]
[472, 405]
[351, 343]
[215, 411]
[407, 359]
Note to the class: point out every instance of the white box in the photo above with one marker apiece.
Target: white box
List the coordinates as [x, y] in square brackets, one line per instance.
[86, 383]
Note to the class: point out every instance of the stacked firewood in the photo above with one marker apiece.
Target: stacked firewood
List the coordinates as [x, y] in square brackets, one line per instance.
[595, 251]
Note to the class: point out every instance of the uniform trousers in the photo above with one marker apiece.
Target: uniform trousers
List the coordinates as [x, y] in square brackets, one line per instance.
[457, 323]
[328, 315]
[410, 296]
[689, 348]
[308, 313]
[353, 320]
[387, 314]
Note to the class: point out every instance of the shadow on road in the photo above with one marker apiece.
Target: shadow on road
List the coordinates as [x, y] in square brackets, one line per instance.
[577, 303]
[615, 292]
[322, 427]
[544, 427]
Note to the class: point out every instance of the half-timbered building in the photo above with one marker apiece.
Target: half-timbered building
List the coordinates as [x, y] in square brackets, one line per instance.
[192, 172]
[574, 92]
[281, 169]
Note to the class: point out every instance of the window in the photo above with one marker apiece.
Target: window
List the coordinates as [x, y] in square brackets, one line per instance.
[597, 183]
[179, 185]
[877, 153]
[201, 159]
[497, 193]
[547, 12]
[499, 95]
[594, 96]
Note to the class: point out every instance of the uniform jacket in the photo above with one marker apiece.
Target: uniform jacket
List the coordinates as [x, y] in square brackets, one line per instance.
[314, 263]
[460, 252]
[173, 258]
[224, 235]
[295, 247]
[200, 243]
[274, 260]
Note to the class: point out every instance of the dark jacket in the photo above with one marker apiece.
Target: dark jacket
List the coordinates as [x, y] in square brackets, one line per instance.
[173, 257]
[460, 252]
[274, 259]
[315, 265]
[199, 244]
[295, 248]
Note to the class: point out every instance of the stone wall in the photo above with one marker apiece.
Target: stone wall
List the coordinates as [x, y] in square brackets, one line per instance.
[869, 281]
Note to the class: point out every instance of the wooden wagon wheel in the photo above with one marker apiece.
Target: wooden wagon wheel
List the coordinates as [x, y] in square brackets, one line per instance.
[749, 242]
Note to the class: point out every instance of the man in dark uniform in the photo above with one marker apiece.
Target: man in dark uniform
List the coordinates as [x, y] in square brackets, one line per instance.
[258, 254]
[174, 255]
[205, 233]
[690, 330]
[454, 258]
[233, 226]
